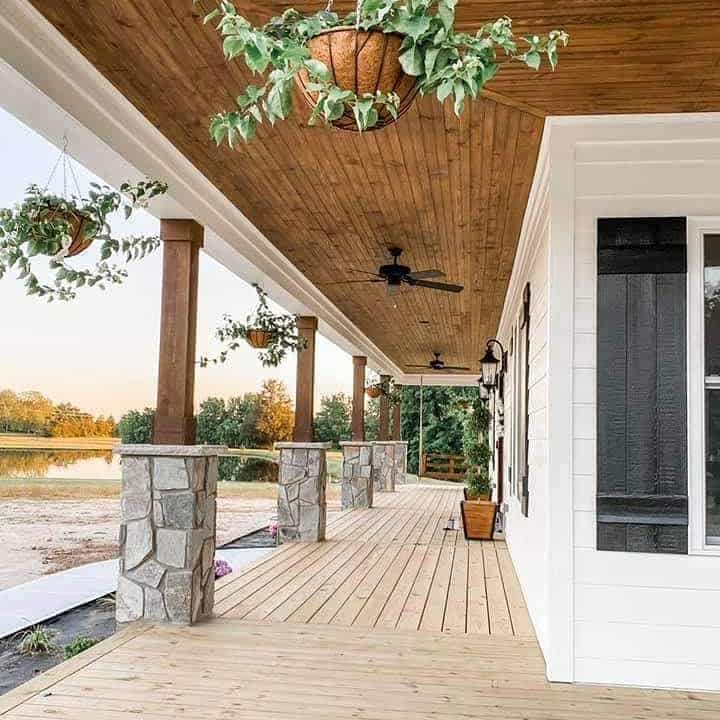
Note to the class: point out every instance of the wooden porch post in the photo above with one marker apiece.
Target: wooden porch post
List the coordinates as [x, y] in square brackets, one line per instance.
[358, 402]
[305, 381]
[174, 420]
[397, 418]
[384, 415]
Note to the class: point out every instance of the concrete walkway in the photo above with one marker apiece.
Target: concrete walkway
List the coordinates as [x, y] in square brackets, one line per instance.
[38, 600]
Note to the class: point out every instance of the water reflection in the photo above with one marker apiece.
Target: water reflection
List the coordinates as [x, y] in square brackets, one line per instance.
[103, 465]
[59, 464]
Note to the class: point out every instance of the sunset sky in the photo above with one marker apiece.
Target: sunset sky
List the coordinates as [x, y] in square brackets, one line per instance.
[100, 351]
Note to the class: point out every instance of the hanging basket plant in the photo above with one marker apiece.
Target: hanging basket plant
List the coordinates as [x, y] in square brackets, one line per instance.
[361, 71]
[376, 388]
[52, 229]
[272, 333]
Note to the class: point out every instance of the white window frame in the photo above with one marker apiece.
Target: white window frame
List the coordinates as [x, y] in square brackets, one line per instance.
[697, 229]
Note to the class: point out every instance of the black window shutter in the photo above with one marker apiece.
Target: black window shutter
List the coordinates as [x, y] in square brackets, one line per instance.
[642, 498]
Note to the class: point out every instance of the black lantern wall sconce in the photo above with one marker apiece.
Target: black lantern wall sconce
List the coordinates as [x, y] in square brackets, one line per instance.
[493, 368]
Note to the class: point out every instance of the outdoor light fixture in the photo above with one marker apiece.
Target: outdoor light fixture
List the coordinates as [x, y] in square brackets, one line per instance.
[489, 364]
[484, 392]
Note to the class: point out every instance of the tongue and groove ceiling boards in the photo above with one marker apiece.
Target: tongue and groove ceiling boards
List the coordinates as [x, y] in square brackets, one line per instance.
[451, 192]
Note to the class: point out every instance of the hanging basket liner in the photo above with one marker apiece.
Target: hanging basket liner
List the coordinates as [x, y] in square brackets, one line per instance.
[259, 339]
[78, 227]
[365, 62]
[373, 391]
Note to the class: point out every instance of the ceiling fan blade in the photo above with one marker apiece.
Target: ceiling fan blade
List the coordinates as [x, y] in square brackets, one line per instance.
[425, 274]
[350, 282]
[447, 287]
[419, 367]
[455, 367]
[365, 272]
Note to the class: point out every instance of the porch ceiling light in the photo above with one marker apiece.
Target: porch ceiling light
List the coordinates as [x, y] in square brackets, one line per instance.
[489, 364]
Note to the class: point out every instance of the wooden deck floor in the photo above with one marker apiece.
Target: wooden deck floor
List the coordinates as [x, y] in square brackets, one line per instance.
[393, 567]
[391, 618]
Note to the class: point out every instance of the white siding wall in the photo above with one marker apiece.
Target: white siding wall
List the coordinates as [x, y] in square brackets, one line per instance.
[527, 537]
[638, 619]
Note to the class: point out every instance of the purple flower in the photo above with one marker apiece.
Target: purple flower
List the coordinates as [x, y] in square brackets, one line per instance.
[222, 568]
[273, 528]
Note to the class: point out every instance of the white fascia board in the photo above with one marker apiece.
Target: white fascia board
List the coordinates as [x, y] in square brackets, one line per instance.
[54, 89]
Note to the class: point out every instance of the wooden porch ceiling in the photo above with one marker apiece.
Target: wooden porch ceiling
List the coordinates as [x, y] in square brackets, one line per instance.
[451, 192]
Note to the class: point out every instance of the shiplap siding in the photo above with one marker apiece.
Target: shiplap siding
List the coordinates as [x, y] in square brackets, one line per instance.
[527, 537]
[639, 619]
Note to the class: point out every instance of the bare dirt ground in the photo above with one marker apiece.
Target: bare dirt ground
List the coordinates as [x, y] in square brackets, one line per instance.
[47, 526]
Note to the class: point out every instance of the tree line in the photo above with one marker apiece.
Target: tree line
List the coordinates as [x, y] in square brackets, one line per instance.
[34, 414]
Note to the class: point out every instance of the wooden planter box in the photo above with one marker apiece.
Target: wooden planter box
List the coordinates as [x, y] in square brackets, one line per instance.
[478, 519]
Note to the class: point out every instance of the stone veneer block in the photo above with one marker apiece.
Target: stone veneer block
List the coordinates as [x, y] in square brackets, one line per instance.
[357, 482]
[302, 508]
[167, 535]
[383, 465]
[400, 458]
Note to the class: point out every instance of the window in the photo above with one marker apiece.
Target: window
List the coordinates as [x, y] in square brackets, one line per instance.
[711, 294]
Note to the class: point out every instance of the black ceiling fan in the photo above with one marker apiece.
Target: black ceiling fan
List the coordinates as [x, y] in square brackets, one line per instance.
[396, 275]
[437, 364]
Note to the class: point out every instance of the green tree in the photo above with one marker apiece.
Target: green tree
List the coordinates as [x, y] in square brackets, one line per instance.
[211, 421]
[444, 413]
[276, 413]
[135, 427]
[372, 418]
[332, 423]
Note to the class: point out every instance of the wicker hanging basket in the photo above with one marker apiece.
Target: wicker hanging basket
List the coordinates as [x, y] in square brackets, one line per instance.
[259, 339]
[365, 62]
[374, 391]
[78, 228]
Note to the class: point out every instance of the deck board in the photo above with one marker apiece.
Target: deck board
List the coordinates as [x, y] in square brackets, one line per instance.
[392, 618]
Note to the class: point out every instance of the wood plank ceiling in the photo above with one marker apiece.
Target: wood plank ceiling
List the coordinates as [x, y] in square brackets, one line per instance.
[450, 192]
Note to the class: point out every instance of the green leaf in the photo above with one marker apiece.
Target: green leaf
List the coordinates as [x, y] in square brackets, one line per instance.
[459, 90]
[246, 128]
[256, 59]
[444, 90]
[532, 59]
[412, 61]
[318, 69]
[414, 26]
[446, 12]
[431, 55]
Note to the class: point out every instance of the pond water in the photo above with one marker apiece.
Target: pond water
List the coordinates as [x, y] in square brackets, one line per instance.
[104, 465]
[60, 464]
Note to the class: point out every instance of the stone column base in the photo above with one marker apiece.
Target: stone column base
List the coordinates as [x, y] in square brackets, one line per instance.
[167, 535]
[383, 464]
[401, 450]
[302, 508]
[357, 483]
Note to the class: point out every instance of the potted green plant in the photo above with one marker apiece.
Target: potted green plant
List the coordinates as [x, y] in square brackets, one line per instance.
[57, 228]
[274, 334]
[362, 70]
[375, 388]
[477, 484]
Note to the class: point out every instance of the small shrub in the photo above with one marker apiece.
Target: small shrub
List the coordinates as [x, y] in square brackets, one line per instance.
[38, 641]
[478, 481]
[78, 645]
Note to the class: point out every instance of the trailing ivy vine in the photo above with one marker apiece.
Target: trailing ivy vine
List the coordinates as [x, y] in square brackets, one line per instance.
[445, 62]
[282, 329]
[43, 225]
